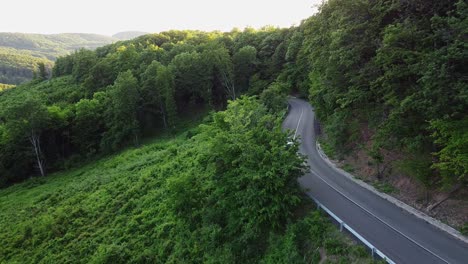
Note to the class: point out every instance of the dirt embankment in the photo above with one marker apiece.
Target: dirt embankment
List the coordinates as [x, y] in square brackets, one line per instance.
[448, 206]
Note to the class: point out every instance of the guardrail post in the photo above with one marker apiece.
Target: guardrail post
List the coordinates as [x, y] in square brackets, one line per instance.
[352, 231]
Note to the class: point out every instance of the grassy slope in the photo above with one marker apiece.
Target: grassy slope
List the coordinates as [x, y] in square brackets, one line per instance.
[61, 91]
[118, 209]
[69, 215]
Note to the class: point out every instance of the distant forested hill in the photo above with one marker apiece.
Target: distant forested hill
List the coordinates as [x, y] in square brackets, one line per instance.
[17, 66]
[126, 35]
[20, 54]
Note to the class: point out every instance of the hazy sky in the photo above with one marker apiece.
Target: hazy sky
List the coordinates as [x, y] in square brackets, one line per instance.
[109, 17]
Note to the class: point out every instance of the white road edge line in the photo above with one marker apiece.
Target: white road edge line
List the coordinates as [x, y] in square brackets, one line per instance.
[409, 209]
[378, 218]
[370, 213]
[299, 122]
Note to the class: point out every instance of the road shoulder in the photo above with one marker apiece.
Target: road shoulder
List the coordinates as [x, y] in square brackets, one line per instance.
[455, 233]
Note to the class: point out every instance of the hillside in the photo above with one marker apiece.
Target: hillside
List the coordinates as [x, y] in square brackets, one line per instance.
[55, 45]
[99, 101]
[127, 35]
[387, 81]
[20, 54]
[18, 66]
[177, 200]
[389, 85]
[225, 191]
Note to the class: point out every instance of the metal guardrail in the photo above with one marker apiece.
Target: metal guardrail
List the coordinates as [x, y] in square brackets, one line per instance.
[374, 250]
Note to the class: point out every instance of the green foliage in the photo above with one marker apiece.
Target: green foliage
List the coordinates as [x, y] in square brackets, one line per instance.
[274, 97]
[27, 121]
[327, 148]
[464, 229]
[257, 85]
[226, 195]
[338, 132]
[42, 73]
[218, 60]
[191, 78]
[419, 167]
[385, 187]
[395, 69]
[165, 81]
[283, 250]
[88, 124]
[335, 246]
[121, 112]
[294, 46]
[244, 62]
[121, 92]
[83, 60]
[348, 168]
[302, 240]
[249, 130]
[158, 87]
[452, 162]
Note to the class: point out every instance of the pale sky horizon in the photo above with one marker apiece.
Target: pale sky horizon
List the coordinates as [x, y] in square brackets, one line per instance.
[110, 17]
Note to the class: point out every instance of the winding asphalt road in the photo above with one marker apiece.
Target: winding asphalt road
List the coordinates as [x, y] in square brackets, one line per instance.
[401, 236]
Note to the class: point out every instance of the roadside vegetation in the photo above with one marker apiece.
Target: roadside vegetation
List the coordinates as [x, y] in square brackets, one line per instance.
[395, 70]
[80, 182]
[352, 69]
[388, 81]
[101, 165]
[225, 191]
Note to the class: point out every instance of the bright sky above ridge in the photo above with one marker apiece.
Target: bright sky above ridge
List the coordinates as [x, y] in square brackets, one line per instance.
[109, 17]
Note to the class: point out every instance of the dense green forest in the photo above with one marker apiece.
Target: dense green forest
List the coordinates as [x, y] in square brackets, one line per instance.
[224, 191]
[20, 54]
[385, 67]
[393, 73]
[221, 192]
[99, 101]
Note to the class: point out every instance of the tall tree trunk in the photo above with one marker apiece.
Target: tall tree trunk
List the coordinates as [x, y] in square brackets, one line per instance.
[229, 85]
[136, 139]
[163, 116]
[36, 143]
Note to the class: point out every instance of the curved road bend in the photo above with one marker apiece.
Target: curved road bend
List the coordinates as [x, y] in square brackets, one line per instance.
[401, 236]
